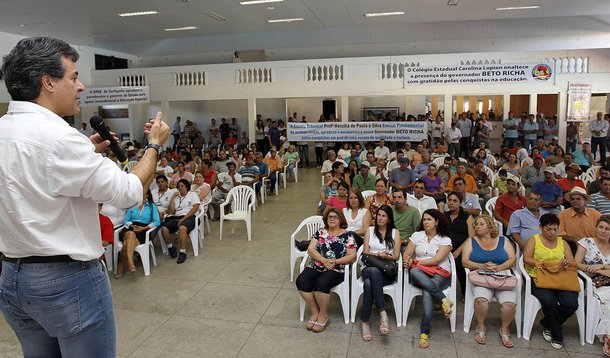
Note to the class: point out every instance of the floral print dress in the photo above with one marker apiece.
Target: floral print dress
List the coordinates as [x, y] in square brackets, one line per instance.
[332, 247]
[593, 256]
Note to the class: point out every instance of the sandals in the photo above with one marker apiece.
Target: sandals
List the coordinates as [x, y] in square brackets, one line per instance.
[367, 335]
[424, 341]
[309, 325]
[447, 306]
[479, 337]
[320, 327]
[384, 327]
[506, 340]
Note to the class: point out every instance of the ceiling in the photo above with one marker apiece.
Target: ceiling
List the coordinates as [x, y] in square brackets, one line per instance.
[326, 22]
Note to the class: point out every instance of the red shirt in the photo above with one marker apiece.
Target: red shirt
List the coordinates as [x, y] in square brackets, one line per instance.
[506, 205]
[567, 186]
[107, 229]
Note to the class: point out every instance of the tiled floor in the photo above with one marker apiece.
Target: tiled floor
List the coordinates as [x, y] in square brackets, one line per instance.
[236, 300]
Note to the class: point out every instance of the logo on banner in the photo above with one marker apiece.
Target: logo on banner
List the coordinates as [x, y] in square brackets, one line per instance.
[542, 72]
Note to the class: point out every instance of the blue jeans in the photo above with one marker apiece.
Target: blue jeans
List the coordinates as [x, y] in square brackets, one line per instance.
[374, 281]
[432, 291]
[528, 144]
[59, 309]
[304, 154]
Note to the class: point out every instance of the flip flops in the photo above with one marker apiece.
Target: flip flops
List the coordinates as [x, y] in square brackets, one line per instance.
[320, 327]
[506, 340]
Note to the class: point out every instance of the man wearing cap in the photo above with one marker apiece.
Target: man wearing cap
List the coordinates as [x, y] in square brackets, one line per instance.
[533, 173]
[525, 223]
[583, 157]
[601, 201]
[365, 180]
[578, 221]
[560, 169]
[419, 200]
[599, 130]
[402, 178]
[595, 186]
[509, 202]
[551, 194]
[328, 163]
[569, 182]
[470, 183]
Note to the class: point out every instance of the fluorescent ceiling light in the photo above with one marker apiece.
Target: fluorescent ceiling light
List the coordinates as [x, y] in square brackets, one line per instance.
[452, 2]
[254, 2]
[34, 24]
[183, 28]
[531, 7]
[285, 20]
[377, 14]
[216, 16]
[137, 13]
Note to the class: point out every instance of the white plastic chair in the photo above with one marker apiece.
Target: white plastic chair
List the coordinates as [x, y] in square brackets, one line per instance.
[410, 292]
[145, 250]
[469, 303]
[439, 161]
[242, 199]
[342, 290]
[593, 309]
[367, 193]
[108, 257]
[532, 305]
[394, 290]
[313, 223]
[196, 235]
[276, 188]
[130, 166]
[490, 205]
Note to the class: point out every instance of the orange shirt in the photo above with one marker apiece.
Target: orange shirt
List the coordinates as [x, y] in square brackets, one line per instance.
[273, 163]
[578, 226]
[471, 184]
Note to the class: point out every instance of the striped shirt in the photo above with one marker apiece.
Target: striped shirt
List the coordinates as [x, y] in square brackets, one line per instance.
[600, 203]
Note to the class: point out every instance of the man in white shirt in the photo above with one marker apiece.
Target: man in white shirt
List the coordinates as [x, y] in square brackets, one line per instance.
[328, 163]
[436, 130]
[599, 131]
[50, 223]
[381, 151]
[453, 137]
[560, 169]
[226, 182]
[419, 200]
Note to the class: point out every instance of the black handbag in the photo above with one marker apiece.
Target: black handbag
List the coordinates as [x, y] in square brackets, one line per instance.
[302, 245]
[387, 268]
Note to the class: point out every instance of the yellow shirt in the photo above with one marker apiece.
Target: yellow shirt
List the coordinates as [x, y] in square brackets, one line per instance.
[543, 253]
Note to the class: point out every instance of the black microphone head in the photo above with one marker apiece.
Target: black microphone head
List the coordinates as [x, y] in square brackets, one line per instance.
[96, 121]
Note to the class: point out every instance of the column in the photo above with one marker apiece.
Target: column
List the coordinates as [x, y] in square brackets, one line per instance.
[562, 116]
[448, 110]
[344, 102]
[434, 105]
[506, 105]
[252, 120]
[533, 103]
[408, 105]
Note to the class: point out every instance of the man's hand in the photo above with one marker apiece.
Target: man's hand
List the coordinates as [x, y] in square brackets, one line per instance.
[156, 130]
[101, 144]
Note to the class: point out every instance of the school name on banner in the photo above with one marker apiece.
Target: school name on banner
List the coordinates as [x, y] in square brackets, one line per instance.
[114, 95]
[356, 131]
[476, 74]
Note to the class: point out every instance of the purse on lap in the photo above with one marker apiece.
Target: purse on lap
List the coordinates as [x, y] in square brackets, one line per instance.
[387, 268]
[496, 281]
[556, 276]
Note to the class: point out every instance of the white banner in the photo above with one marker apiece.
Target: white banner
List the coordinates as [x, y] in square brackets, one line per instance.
[478, 74]
[356, 131]
[579, 101]
[114, 95]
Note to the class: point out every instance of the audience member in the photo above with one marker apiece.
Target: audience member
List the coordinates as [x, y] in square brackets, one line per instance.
[551, 194]
[406, 218]
[357, 215]
[470, 184]
[534, 173]
[600, 201]
[569, 182]
[332, 158]
[419, 200]
[595, 186]
[179, 174]
[470, 202]
[578, 221]
[461, 228]
[403, 177]
[508, 203]
[523, 223]
[365, 180]
[340, 200]
[226, 181]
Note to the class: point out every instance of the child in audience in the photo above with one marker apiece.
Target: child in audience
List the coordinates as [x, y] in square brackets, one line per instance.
[500, 182]
[328, 190]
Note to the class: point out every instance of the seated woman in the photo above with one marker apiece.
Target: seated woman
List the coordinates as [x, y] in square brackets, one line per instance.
[383, 241]
[512, 166]
[180, 174]
[292, 157]
[461, 228]
[489, 251]
[427, 256]
[339, 201]
[180, 217]
[593, 258]
[137, 221]
[330, 250]
[557, 305]
[435, 187]
[374, 202]
[338, 172]
[357, 216]
[202, 189]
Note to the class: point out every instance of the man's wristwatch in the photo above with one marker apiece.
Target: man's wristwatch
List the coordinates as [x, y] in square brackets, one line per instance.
[153, 146]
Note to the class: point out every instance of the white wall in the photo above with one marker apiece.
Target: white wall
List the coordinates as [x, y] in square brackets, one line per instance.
[274, 108]
[202, 112]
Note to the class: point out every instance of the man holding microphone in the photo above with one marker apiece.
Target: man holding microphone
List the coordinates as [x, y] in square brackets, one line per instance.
[54, 292]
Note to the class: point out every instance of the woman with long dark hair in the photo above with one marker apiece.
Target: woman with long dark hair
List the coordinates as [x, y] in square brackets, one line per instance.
[427, 255]
[383, 241]
[261, 141]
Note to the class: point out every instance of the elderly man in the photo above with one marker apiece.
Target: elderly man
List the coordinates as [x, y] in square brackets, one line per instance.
[509, 202]
[421, 169]
[419, 200]
[601, 201]
[402, 178]
[599, 131]
[525, 223]
[551, 194]
[226, 182]
[578, 221]
[365, 180]
[471, 184]
[328, 163]
[533, 173]
[409, 151]
[406, 217]
[381, 151]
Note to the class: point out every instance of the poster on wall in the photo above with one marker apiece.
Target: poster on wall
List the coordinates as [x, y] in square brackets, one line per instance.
[478, 74]
[356, 131]
[579, 101]
[103, 96]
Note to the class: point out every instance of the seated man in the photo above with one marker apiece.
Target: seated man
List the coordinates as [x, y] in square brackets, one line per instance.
[328, 164]
[226, 182]
[551, 194]
[402, 178]
[533, 173]
[406, 217]
[275, 167]
[421, 168]
[525, 223]
[509, 202]
[419, 200]
[601, 201]
[263, 170]
[578, 221]
[470, 185]
[470, 202]
[365, 180]
[595, 186]
[249, 172]
[221, 164]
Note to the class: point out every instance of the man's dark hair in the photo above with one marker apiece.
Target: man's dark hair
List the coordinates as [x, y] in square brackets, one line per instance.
[460, 179]
[31, 59]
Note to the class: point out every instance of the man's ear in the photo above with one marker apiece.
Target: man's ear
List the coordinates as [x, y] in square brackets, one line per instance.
[47, 83]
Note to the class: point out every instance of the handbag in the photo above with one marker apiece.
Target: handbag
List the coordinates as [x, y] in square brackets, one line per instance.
[302, 245]
[387, 268]
[600, 280]
[493, 280]
[556, 276]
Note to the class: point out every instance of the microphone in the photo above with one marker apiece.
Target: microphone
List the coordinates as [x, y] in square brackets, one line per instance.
[97, 123]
